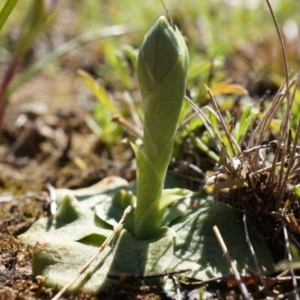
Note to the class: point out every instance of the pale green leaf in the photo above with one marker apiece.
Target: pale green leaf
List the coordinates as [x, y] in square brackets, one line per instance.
[183, 205]
[111, 210]
[142, 257]
[59, 261]
[197, 247]
[73, 221]
[169, 196]
[92, 194]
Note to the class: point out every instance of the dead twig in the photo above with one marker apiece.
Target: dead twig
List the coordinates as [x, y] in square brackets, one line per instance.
[237, 276]
[127, 126]
[258, 269]
[176, 286]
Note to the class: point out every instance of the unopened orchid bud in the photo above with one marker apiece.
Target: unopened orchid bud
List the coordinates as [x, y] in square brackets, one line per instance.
[162, 73]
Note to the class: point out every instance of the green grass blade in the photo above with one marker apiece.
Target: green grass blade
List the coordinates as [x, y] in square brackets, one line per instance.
[202, 146]
[6, 10]
[70, 45]
[98, 91]
[244, 123]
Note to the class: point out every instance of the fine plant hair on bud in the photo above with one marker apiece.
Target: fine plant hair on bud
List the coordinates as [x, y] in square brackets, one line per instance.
[162, 74]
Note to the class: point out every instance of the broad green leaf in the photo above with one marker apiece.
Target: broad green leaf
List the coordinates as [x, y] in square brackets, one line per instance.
[169, 196]
[142, 257]
[66, 242]
[181, 206]
[59, 261]
[73, 221]
[92, 194]
[111, 210]
[197, 247]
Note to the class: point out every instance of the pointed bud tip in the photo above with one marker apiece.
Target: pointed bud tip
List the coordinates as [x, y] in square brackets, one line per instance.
[162, 49]
[162, 21]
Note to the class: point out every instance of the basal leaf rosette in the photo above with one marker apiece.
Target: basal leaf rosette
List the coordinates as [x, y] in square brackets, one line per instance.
[162, 72]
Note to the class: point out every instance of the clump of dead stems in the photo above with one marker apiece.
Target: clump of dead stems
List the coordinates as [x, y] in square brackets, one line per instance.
[262, 180]
[259, 181]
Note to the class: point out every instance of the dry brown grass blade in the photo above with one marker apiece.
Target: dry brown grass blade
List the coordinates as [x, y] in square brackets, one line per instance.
[248, 240]
[260, 131]
[284, 139]
[127, 126]
[284, 148]
[232, 142]
[285, 124]
[286, 69]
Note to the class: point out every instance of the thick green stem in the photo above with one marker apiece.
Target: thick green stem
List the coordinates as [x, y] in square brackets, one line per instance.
[162, 72]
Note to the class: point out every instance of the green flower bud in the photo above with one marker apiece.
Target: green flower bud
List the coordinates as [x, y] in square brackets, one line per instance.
[162, 73]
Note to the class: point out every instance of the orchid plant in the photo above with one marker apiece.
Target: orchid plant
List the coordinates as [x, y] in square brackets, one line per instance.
[162, 73]
[170, 228]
